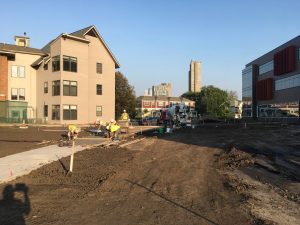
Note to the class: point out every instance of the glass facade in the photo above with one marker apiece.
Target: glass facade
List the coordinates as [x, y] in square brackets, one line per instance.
[289, 82]
[247, 84]
[269, 66]
[280, 110]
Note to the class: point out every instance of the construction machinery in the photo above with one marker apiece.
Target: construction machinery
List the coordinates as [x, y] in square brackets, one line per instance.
[178, 114]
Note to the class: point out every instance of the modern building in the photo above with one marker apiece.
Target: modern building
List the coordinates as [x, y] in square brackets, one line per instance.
[195, 84]
[155, 103]
[271, 83]
[70, 80]
[162, 89]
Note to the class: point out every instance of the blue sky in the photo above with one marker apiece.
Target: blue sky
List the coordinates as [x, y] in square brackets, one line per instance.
[155, 40]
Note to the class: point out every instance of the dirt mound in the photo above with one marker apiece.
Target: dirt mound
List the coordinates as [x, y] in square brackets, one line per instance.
[262, 186]
[233, 158]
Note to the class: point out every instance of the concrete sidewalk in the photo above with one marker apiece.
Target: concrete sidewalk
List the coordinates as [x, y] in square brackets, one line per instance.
[20, 164]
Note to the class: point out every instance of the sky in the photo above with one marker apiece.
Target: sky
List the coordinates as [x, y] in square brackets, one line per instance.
[155, 40]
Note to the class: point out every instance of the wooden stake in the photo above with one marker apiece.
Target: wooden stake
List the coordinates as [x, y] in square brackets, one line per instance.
[72, 156]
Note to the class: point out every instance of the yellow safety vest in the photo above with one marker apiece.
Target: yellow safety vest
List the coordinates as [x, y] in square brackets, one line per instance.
[72, 128]
[114, 127]
[124, 116]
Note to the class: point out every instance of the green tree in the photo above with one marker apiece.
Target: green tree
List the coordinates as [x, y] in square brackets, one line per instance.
[214, 102]
[211, 101]
[125, 97]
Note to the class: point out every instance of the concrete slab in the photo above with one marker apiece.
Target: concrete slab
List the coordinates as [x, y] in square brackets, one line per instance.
[23, 163]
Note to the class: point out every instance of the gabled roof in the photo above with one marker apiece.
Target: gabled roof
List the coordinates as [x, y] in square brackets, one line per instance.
[80, 35]
[83, 32]
[20, 49]
[46, 48]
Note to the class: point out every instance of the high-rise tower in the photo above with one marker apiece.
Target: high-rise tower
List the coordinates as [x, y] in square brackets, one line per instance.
[195, 77]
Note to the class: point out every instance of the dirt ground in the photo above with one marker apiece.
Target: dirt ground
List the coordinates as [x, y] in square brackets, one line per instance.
[214, 174]
[15, 140]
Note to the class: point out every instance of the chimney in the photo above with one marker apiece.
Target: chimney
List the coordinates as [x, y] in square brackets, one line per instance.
[22, 40]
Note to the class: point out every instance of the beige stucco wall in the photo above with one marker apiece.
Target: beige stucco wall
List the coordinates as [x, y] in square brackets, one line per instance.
[48, 76]
[88, 54]
[29, 82]
[98, 53]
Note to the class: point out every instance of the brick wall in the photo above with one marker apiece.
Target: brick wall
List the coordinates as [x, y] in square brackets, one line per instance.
[3, 78]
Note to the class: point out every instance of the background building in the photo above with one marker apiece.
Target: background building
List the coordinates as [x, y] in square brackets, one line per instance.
[70, 80]
[163, 89]
[271, 83]
[195, 84]
[154, 103]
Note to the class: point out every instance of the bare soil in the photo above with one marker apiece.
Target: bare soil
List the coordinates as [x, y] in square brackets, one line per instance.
[214, 174]
[15, 140]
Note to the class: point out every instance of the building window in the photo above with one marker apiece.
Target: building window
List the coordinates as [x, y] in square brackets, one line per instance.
[99, 68]
[22, 94]
[289, 82]
[18, 71]
[70, 63]
[247, 83]
[56, 88]
[14, 71]
[22, 71]
[70, 112]
[266, 67]
[70, 88]
[46, 66]
[45, 110]
[45, 87]
[98, 110]
[55, 112]
[99, 89]
[55, 63]
[14, 94]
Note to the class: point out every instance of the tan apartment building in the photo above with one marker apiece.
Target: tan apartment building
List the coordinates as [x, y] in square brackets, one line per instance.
[70, 80]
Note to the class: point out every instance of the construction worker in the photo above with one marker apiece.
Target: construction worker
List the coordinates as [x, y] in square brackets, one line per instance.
[124, 115]
[73, 132]
[114, 130]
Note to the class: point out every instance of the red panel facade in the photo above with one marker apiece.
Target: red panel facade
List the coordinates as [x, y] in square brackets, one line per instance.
[285, 61]
[264, 89]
